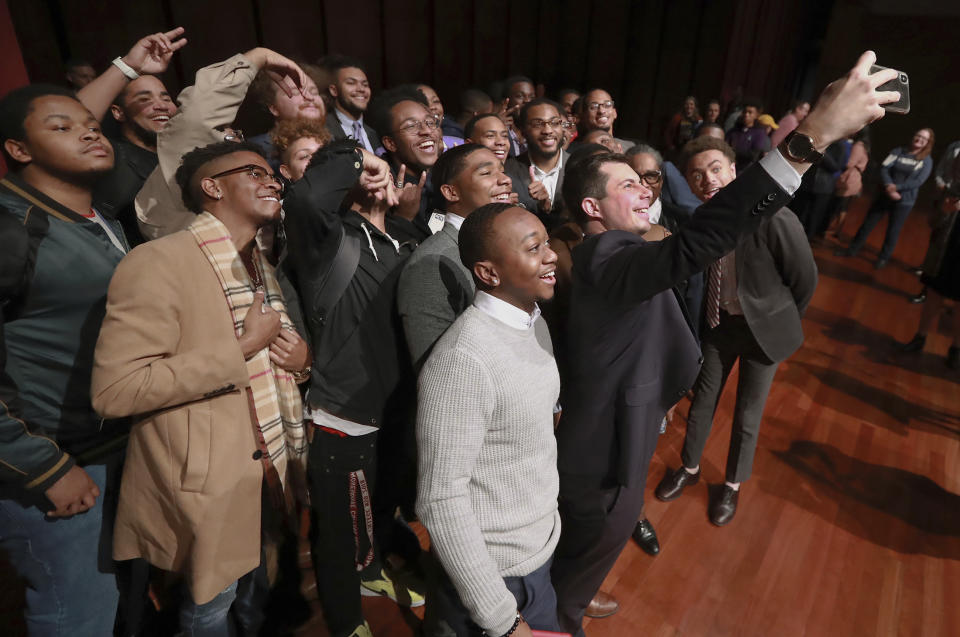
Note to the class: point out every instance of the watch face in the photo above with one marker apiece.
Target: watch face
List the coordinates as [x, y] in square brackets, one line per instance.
[799, 146]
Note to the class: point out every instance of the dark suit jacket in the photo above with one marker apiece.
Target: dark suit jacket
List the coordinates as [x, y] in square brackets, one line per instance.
[518, 169]
[776, 278]
[336, 131]
[631, 353]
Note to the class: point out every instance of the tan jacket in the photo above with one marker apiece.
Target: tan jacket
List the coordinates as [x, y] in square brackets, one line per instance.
[212, 101]
[167, 355]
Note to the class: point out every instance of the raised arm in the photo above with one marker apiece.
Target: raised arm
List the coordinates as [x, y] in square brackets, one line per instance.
[211, 103]
[150, 55]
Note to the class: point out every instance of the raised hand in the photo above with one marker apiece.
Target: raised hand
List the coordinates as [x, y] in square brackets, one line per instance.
[539, 192]
[409, 195]
[849, 104]
[151, 54]
[75, 492]
[282, 71]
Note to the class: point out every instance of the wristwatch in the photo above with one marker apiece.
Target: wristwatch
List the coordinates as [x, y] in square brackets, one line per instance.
[799, 148]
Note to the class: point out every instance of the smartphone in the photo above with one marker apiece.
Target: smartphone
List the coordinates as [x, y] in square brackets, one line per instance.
[900, 83]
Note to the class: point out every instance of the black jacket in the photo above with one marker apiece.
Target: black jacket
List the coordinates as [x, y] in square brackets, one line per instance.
[361, 367]
[632, 354]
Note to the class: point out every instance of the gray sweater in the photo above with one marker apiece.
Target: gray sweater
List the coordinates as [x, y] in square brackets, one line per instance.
[488, 483]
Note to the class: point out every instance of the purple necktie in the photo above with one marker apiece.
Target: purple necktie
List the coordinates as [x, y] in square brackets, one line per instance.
[358, 132]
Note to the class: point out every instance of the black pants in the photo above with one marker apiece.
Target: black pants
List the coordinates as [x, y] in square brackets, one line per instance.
[338, 544]
[597, 523]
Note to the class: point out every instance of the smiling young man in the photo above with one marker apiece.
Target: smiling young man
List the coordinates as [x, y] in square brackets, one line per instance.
[598, 111]
[207, 371]
[142, 109]
[58, 458]
[411, 137]
[624, 384]
[756, 295]
[435, 287]
[350, 90]
[487, 488]
[489, 131]
[538, 173]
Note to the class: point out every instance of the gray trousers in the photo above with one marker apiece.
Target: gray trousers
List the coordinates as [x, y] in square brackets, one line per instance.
[722, 346]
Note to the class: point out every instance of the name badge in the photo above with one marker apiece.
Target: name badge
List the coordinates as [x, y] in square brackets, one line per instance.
[436, 222]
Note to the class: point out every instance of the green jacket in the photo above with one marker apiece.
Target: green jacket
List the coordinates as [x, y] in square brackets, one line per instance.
[56, 266]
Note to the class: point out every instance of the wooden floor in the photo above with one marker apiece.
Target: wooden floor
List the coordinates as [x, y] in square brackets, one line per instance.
[850, 524]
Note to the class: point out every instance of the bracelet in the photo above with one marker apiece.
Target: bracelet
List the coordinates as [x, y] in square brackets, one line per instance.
[513, 629]
[125, 68]
[303, 375]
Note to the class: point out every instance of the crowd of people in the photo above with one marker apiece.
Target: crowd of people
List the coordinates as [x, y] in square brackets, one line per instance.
[207, 335]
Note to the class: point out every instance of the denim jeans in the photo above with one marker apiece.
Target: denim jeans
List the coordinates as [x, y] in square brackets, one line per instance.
[237, 610]
[66, 562]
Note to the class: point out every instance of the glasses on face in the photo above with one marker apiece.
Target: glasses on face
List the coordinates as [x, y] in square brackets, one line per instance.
[233, 135]
[651, 177]
[257, 173]
[595, 106]
[414, 127]
[537, 124]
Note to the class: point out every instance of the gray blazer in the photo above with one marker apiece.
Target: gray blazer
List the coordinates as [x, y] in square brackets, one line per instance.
[776, 278]
[434, 289]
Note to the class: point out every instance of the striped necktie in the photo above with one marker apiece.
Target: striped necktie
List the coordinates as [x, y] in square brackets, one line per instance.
[714, 275]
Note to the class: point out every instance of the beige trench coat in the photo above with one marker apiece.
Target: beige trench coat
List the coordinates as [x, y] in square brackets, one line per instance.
[167, 356]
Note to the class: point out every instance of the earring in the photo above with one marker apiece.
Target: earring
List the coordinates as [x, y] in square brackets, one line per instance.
[219, 196]
[496, 281]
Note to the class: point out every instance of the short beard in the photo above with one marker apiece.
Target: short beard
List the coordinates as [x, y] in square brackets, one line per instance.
[145, 135]
[350, 109]
[536, 152]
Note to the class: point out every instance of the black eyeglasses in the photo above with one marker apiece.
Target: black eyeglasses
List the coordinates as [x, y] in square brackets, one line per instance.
[595, 106]
[537, 124]
[412, 128]
[651, 177]
[257, 173]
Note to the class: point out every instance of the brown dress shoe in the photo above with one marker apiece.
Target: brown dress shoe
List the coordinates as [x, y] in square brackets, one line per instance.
[602, 605]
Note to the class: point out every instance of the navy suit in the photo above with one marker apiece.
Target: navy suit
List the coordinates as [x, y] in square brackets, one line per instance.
[631, 357]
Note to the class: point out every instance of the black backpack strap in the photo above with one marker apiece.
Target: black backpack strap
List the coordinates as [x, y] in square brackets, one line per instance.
[338, 277]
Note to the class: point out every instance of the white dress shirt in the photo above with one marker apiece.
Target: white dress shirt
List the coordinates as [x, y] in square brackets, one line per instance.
[506, 312]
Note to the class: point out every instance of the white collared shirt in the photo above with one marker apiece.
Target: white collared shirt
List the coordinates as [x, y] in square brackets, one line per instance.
[347, 125]
[506, 312]
[454, 220]
[549, 179]
[654, 211]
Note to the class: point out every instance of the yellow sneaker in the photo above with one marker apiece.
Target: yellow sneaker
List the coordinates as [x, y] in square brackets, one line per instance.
[363, 630]
[384, 587]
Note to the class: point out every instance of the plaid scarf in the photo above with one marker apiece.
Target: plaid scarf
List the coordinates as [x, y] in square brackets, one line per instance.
[274, 395]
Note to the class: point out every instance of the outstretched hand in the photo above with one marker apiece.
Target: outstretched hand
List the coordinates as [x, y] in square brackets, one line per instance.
[152, 53]
[849, 104]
